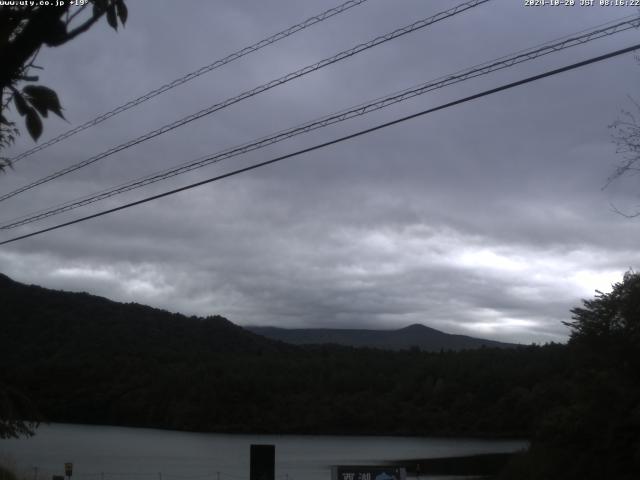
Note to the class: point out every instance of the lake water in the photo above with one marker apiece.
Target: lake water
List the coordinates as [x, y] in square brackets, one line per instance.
[119, 453]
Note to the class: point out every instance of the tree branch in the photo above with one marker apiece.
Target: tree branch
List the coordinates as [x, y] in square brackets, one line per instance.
[82, 28]
[77, 12]
[626, 215]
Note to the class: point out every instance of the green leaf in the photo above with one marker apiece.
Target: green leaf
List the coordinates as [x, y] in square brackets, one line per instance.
[43, 99]
[21, 104]
[34, 124]
[123, 11]
[111, 17]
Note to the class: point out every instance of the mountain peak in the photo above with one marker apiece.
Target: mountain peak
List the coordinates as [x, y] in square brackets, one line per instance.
[416, 327]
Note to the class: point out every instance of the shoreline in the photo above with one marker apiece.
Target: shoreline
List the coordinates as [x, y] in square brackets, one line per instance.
[484, 464]
[448, 436]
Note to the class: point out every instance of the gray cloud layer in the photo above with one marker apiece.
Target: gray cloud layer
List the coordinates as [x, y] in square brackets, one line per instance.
[485, 219]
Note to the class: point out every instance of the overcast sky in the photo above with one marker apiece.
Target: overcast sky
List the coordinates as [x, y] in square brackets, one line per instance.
[487, 219]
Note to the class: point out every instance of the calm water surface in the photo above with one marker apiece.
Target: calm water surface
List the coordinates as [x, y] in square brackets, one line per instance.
[119, 453]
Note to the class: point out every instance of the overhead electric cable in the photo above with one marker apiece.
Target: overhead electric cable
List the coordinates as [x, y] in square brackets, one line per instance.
[195, 74]
[334, 141]
[255, 91]
[362, 109]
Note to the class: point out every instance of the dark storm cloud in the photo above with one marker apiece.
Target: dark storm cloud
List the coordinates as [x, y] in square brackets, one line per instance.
[485, 219]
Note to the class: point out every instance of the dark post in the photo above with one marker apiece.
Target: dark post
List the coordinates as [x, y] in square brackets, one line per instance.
[263, 462]
[68, 470]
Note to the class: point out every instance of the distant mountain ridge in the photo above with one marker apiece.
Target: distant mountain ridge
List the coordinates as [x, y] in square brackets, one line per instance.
[416, 335]
[37, 315]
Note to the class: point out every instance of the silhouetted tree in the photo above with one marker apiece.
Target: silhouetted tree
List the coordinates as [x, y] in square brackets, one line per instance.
[626, 136]
[24, 30]
[593, 430]
[18, 415]
[609, 324]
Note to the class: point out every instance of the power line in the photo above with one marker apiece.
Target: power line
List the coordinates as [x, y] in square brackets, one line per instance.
[333, 142]
[362, 109]
[192, 75]
[250, 93]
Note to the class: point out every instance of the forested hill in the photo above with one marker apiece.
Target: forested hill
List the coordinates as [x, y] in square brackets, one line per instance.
[425, 338]
[86, 359]
[41, 321]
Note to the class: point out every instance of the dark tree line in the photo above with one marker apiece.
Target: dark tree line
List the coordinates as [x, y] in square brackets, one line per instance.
[593, 430]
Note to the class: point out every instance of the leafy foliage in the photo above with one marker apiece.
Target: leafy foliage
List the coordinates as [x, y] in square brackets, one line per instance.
[43, 99]
[24, 29]
[18, 415]
[593, 431]
[610, 319]
[8, 133]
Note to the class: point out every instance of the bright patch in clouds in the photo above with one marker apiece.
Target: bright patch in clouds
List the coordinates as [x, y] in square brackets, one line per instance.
[144, 283]
[84, 273]
[484, 258]
[588, 281]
